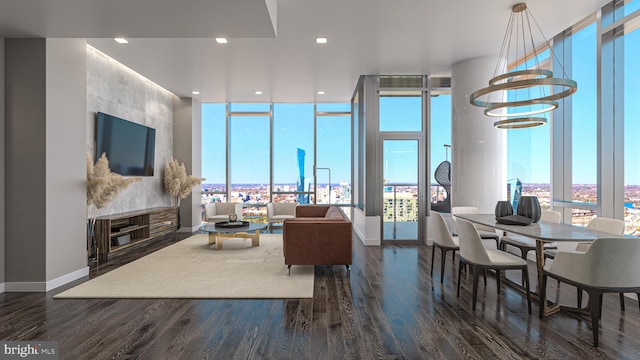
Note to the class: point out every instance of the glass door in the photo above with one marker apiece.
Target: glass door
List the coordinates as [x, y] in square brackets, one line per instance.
[402, 207]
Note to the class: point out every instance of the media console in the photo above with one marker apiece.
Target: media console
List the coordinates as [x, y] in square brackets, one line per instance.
[133, 227]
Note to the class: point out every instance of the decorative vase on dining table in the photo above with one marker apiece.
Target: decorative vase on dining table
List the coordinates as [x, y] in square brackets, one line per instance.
[503, 208]
[529, 206]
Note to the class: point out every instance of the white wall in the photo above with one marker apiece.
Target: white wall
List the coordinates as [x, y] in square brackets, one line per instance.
[45, 82]
[66, 89]
[117, 90]
[52, 89]
[2, 252]
[366, 227]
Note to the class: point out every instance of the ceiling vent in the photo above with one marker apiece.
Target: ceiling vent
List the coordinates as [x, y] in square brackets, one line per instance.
[398, 82]
[440, 82]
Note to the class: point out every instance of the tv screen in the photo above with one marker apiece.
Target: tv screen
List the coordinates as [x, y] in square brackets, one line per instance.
[130, 147]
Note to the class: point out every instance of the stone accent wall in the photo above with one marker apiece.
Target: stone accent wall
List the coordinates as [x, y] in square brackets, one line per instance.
[114, 89]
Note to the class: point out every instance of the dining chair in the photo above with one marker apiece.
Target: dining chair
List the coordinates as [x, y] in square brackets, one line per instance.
[601, 224]
[526, 244]
[609, 265]
[474, 253]
[443, 240]
[486, 233]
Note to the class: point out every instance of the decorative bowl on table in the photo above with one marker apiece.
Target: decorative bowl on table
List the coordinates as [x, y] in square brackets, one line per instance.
[514, 220]
[529, 206]
[232, 224]
[503, 208]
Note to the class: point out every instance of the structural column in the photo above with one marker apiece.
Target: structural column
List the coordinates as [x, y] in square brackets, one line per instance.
[187, 149]
[479, 151]
[45, 169]
[2, 173]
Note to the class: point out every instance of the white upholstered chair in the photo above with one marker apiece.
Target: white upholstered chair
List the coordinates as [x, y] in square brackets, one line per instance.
[601, 224]
[277, 213]
[443, 240]
[609, 265]
[218, 211]
[526, 244]
[485, 232]
[474, 253]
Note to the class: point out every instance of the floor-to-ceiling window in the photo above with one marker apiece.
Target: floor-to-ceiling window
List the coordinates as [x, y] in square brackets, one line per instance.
[621, 106]
[440, 135]
[261, 153]
[584, 125]
[595, 161]
[333, 169]
[401, 112]
[631, 110]
[575, 125]
[214, 153]
[293, 152]
[249, 159]
[528, 150]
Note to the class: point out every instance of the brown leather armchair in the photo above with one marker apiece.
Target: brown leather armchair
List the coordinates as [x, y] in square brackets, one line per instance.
[318, 235]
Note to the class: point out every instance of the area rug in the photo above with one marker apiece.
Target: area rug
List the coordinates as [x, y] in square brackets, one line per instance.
[193, 268]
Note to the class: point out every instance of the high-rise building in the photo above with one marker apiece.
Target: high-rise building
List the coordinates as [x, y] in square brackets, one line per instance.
[403, 207]
[514, 192]
[302, 198]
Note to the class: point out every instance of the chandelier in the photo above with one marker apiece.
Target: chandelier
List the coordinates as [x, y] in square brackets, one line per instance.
[520, 95]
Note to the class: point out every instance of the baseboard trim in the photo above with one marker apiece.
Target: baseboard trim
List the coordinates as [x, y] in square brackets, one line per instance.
[65, 279]
[366, 242]
[1, 288]
[42, 286]
[359, 235]
[190, 230]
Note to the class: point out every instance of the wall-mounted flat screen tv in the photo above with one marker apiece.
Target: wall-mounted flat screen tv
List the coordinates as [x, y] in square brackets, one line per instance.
[130, 147]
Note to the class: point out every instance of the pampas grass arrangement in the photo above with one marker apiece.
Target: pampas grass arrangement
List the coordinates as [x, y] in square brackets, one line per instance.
[176, 181]
[103, 186]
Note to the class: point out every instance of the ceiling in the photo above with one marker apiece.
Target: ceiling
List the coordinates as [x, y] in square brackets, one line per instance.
[272, 42]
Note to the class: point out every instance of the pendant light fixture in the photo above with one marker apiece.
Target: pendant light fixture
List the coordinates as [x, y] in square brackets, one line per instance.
[519, 95]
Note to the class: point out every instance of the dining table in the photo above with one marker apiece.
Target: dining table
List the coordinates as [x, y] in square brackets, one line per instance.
[542, 232]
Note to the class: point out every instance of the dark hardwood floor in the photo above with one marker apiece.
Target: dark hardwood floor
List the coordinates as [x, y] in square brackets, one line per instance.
[390, 308]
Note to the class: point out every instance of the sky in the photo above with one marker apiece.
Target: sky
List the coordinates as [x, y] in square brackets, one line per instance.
[293, 130]
[529, 156]
[632, 107]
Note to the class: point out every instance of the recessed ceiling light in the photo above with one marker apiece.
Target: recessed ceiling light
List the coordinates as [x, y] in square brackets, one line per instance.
[321, 40]
[258, 92]
[320, 92]
[195, 92]
[221, 40]
[121, 40]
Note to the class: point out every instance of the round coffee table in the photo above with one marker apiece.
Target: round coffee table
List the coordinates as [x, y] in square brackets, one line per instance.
[218, 234]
